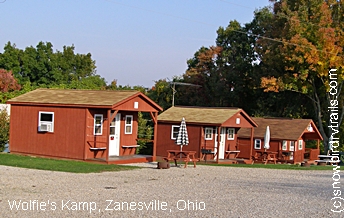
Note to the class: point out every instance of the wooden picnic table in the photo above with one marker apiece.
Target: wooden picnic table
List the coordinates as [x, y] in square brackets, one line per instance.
[328, 159]
[186, 156]
[265, 156]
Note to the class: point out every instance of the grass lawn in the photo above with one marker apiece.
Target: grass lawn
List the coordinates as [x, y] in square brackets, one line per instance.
[275, 166]
[58, 165]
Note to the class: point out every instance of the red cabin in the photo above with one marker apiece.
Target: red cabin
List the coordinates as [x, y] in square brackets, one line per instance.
[294, 140]
[78, 124]
[209, 128]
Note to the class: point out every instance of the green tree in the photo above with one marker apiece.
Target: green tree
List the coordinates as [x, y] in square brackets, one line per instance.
[42, 66]
[307, 41]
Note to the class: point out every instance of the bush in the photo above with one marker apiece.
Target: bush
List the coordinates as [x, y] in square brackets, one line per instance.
[4, 129]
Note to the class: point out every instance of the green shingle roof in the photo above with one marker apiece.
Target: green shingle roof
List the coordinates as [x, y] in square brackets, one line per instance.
[198, 114]
[73, 97]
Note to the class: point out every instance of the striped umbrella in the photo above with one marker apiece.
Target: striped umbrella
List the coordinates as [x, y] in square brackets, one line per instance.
[182, 138]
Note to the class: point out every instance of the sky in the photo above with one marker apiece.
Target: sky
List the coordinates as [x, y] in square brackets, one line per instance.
[136, 42]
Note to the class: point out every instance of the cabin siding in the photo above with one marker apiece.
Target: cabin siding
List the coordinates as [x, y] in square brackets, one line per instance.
[164, 141]
[142, 105]
[66, 141]
[128, 139]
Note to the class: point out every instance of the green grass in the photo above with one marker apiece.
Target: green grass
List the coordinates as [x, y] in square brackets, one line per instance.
[275, 166]
[58, 165]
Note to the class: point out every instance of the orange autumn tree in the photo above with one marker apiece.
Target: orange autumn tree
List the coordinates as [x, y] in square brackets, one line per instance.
[7, 81]
[302, 42]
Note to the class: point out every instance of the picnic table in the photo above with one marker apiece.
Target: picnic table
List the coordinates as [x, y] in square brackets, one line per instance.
[186, 156]
[328, 159]
[265, 156]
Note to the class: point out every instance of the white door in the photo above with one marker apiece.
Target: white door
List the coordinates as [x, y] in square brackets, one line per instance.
[215, 145]
[222, 143]
[114, 136]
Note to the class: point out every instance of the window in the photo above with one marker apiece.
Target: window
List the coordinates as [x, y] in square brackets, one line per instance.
[174, 132]
[284, 145]
[128, 124]
[230, 133]
[300, 144]
[46, 121]
[237, 121]
[208, 133]
[291, 147]
[257, 144]
[98, 124]
[310, 128]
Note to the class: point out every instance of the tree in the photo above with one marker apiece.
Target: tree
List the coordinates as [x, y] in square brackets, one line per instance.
[307, 41]
[42, 66]
[7, 81]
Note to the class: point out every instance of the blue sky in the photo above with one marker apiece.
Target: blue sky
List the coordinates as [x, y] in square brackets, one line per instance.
[136, 42]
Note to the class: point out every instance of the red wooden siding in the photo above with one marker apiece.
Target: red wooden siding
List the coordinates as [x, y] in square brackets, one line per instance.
[143, 105]
[231, 122]
[66, 141]
[128, 139]
[164, 141]
[95, 140]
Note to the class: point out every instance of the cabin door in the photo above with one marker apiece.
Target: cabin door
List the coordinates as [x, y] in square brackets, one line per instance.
[222, 143]
[114, 135]
[221, 150]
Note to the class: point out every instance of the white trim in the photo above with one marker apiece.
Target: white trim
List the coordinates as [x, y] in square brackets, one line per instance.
[128, 125]
[45, 126]
[172, 132]
[284, 145]
[98, 125]
[232, 129]
[260, 144]
[300, 144]
[210, 129]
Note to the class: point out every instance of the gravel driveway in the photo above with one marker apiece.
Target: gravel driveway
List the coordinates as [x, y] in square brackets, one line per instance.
[205, 191]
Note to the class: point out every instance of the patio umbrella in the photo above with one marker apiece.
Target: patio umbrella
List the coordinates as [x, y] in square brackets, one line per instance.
[267, 138]
[182, 137]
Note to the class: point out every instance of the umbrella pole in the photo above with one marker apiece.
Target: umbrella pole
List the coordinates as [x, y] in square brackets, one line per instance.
[180, 162]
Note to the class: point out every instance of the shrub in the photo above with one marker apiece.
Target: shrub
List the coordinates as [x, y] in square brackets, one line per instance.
[4, 129]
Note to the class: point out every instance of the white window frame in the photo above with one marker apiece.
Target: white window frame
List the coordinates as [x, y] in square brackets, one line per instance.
[49, 123]
[232, 130]
[173, 132]
[207, 131]
[255, 144]
[300, 144]
[130, 124]
[284, 145]
[291, 147]
[98, 125]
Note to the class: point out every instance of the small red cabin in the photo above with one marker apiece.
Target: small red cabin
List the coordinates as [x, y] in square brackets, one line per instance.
[203, 125]
[78, 124]
[294, 140]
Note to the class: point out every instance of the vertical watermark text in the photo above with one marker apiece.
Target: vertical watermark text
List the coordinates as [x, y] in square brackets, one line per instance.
[337, 200]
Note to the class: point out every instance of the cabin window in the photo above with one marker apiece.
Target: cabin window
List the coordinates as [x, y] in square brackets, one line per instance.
[98, 124]
[46, 121]
[174, 132]
[257, 144]
[310, 128]
[284, 145]
[129, 124]
[230, 133]
[291, 146]
[300, 144]
[208, 133]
